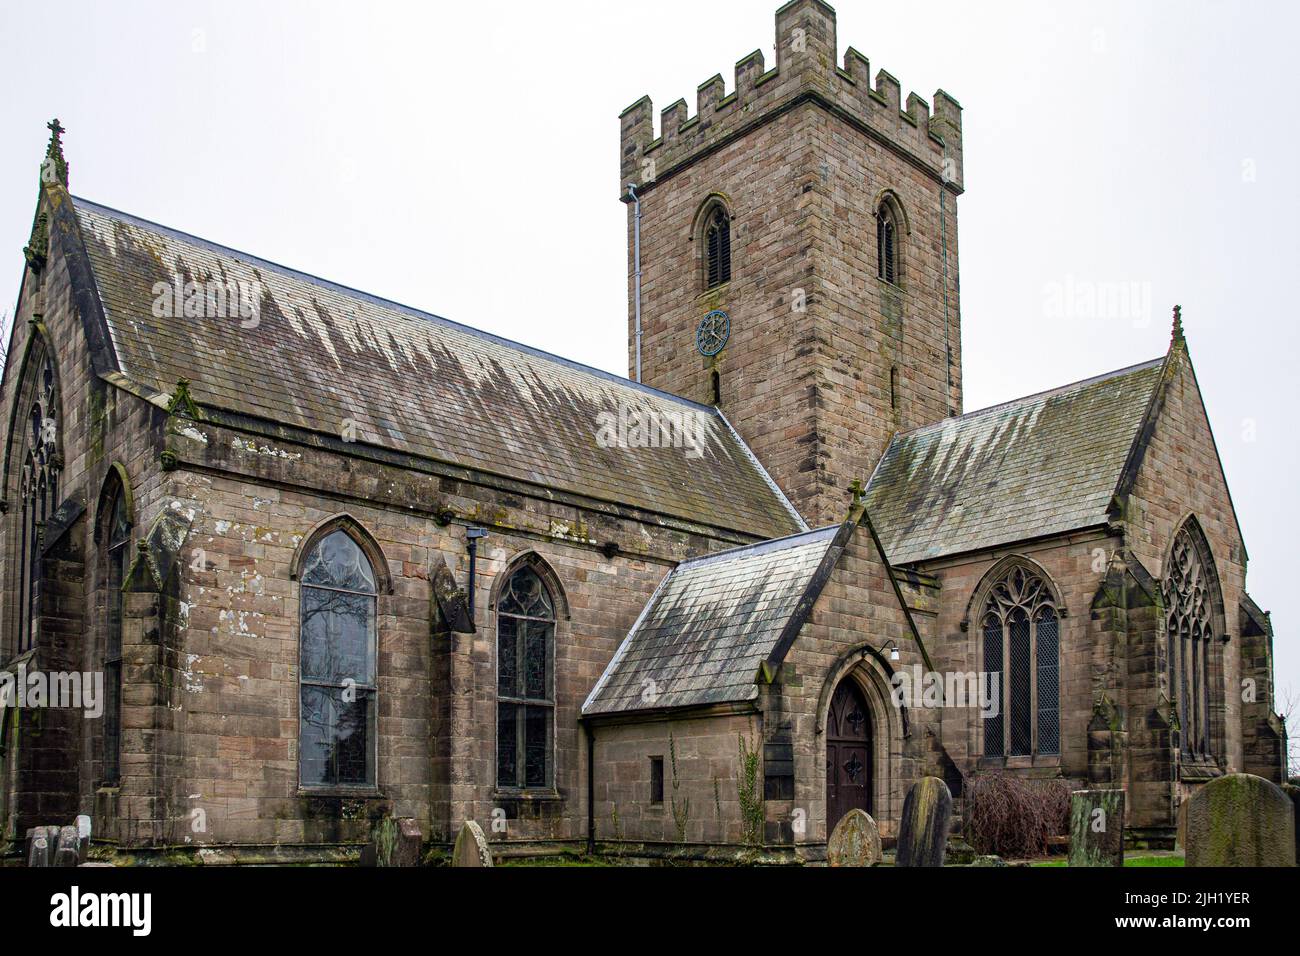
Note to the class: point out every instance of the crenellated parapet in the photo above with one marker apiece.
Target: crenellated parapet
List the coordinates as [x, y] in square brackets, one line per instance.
[805, 71]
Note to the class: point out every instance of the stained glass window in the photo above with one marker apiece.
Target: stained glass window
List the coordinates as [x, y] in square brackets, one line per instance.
[1191, 595]
[42, 465]
[337, 665]
[994, 742]
[1021, 627]
[525, 682]
[1021, 693]
[1047, 629]
[115, 539]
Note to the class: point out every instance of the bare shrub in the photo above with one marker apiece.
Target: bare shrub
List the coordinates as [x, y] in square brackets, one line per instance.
[1014, 817]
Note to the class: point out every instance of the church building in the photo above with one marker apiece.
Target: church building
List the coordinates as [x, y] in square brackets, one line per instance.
[334, 559]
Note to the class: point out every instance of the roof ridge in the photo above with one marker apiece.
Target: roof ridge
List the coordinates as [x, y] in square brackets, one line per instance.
[1045, 393]
[389, 303]
[759, 547]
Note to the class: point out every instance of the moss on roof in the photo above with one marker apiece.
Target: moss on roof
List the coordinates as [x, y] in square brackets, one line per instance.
[332, 360]
[1039, 465]
[709, 626]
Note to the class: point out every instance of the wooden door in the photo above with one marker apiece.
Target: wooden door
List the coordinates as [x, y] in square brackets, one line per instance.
[848, 754]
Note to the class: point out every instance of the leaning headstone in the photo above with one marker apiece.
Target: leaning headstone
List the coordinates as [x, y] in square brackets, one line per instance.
[923, 830]
[855, 841]
[1180, 834]
[471, 847]
[1292, 791]
[1240, 820]
[393, 843]
[65, 850]
[406, 850]
[83, 838]
[1097, 828]
[38, 847]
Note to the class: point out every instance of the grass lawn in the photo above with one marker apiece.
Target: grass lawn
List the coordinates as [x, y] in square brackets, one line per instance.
[565, 860]
[1171, 859]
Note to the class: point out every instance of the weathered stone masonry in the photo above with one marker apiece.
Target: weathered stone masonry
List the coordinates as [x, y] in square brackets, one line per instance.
[711, 599]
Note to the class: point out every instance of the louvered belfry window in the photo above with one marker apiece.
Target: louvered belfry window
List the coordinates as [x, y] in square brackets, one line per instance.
[887, 243]
[1021, 638]
[1191, 594]
[525, 683]
[717, 249]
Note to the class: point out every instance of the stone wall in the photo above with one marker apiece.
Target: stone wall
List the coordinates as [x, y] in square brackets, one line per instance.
[255, 501]
[102, 427]
[702, 780]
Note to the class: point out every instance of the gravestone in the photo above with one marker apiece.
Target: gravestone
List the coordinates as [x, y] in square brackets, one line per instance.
[1097, 828]
[83, 837]
[393, 843]
[65, 849]
[38, 847]
[1180, 834]
[923, 829]
[406, 851]
[1240, 820]
[855, 841]
[471, 847]
[1292, 791]
[41, 845]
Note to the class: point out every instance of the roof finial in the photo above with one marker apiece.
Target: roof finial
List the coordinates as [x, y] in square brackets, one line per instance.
[856, 490]
[1177, 337]
[54, 168]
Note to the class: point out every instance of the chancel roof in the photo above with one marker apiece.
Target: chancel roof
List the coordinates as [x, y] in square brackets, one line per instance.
[1039, 465]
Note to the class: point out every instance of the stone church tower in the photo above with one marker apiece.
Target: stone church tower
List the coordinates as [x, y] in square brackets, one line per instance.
[818, 214]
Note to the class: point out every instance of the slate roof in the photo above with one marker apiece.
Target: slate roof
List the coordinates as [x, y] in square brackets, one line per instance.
[413, 382]
[1039, 465]
[709, 626]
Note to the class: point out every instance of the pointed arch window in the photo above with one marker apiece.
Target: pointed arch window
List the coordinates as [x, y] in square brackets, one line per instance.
[1192, 598]
[41, 466]
[717, 248]
[1021, 644]
[114, 536]
[888, 259]
[337, 640]
[525, 682]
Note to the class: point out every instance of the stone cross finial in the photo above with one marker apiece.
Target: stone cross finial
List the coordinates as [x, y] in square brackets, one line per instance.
[1177, 336]
[54, 168]
[856, 490]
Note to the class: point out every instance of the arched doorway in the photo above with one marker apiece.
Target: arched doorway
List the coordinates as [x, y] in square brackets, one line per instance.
[848, 753]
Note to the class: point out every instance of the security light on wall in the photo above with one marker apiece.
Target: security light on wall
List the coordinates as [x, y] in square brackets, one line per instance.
[893, 649]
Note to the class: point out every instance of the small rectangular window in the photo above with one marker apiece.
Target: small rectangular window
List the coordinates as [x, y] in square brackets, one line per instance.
[656, 779]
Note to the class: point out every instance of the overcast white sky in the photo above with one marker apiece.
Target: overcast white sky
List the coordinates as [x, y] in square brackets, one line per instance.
[462, 158]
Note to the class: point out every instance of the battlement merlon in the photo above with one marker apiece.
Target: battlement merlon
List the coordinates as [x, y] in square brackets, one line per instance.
[805, 71]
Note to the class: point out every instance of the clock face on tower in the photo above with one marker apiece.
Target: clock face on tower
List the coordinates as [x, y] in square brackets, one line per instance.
[713, 332]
